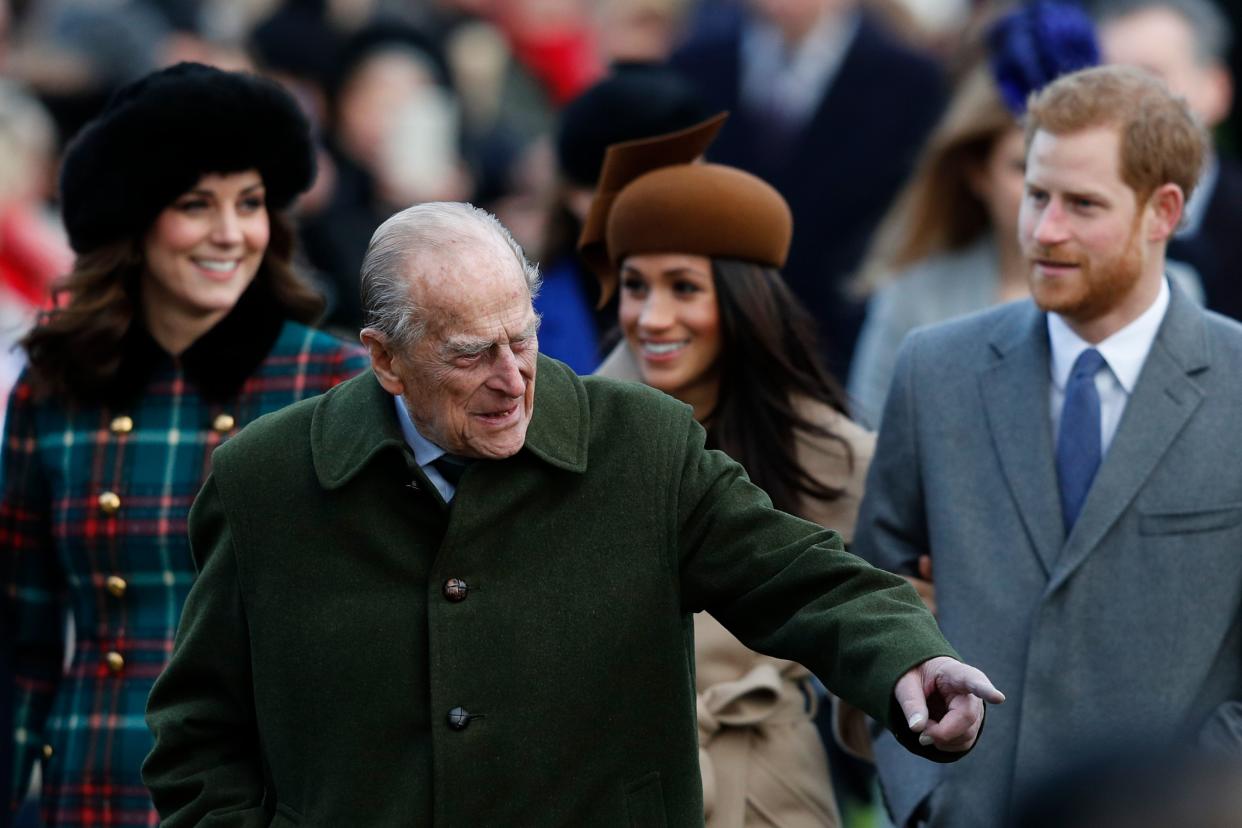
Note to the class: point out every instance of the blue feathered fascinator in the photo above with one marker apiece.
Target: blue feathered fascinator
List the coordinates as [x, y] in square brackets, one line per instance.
[1035, 44]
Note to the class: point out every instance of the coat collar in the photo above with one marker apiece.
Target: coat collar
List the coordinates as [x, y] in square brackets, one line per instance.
[218, 362]
[355, 422]
[1167, 394]
[1015, 393]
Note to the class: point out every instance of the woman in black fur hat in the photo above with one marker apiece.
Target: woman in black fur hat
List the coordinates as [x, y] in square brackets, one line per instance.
[181, 321]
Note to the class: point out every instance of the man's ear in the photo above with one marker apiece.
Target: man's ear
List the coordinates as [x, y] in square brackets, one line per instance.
[1165, 206]
[382, 356]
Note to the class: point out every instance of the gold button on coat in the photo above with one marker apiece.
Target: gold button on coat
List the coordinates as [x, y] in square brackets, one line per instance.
[48, 751]
[116, 585]
[223, 422]
[109, 502]
[122, 424]
[116, 661]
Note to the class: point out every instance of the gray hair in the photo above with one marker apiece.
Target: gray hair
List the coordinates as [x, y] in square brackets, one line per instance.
[1209, 27]
[386, 301]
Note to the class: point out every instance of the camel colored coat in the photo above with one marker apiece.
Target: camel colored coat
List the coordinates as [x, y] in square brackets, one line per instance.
[760, 754]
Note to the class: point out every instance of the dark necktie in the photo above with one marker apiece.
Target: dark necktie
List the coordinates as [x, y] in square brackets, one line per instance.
[1078, 444]
[451, 467]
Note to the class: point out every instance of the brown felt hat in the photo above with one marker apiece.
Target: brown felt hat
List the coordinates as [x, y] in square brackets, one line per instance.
[653, 198]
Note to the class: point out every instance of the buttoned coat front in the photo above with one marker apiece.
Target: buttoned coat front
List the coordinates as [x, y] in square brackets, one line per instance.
[94, 499]
[325, 676]
[1129, 631]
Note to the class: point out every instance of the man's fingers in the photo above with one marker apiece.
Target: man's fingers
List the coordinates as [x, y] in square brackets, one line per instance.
[984, 690]
[966, 679]
[958, 728]
[909, 694]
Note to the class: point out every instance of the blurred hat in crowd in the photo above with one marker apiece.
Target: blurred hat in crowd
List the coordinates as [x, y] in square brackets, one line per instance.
[298, 39]
[1037, 43]
[392, 35]
[654, 197]
[636, 101]
[159, 135]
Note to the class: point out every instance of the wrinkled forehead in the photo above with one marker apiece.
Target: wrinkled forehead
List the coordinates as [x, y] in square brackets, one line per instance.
[469, 284]
[466, 268]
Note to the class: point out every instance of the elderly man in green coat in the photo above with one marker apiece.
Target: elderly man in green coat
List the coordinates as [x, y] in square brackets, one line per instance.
[441, 595]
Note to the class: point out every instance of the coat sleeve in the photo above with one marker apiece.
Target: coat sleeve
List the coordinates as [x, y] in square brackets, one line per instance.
[892, 525]
[205, 768]
[32, 589]
[788, 588]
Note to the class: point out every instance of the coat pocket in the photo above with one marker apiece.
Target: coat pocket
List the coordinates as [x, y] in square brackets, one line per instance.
[285, 816]
[644, 800]
[1192, 521]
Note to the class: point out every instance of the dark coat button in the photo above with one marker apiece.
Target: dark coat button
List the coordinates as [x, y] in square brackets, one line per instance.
[455, 590]
[458, 718]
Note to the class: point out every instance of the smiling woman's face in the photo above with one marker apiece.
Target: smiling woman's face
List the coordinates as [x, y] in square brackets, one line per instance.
[671, 322]
[205, 248]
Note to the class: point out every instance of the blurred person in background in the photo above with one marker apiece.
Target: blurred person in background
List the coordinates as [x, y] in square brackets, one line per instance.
[33, 255]
[695, 251]
[831, 109]
[395, 140]
[33, 250]
[74, 53]
[640, 31]
[556, 40]
[634, 101]
[949, 245]
[181, 322]
[1186, 43]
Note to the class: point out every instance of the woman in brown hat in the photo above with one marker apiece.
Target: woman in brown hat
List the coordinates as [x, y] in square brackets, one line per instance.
[695, 249]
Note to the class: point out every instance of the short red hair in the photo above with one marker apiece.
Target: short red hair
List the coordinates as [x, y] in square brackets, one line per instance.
[1161, 142]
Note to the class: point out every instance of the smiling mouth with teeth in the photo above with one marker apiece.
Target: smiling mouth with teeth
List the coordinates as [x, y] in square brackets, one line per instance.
[216, 266]
[663, 347]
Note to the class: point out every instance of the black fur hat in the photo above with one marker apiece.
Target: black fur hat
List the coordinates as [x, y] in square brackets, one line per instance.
[160, 134]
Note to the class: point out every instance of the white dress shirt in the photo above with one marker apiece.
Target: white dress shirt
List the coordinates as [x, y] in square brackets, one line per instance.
[425, 452]
[1124, 354]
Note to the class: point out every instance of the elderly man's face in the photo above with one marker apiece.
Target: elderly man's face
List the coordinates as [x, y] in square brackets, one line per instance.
[469, 382]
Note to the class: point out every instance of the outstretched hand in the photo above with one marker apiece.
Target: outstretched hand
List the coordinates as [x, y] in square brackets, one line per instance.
[942, 700]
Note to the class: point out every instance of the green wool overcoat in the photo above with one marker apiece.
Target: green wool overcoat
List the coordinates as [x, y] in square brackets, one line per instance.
[355, 653]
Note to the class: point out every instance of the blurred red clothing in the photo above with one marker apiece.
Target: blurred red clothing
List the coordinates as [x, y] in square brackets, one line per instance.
[556, 44]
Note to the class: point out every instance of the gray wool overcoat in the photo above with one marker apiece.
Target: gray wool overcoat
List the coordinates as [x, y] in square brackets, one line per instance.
[354, 653]
[1126, 633]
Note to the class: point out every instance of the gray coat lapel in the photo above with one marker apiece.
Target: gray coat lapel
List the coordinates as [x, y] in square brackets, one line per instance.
[1163, 400]
[1015, 397]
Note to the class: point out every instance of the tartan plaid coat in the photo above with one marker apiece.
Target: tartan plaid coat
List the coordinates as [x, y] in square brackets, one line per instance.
[94, 499]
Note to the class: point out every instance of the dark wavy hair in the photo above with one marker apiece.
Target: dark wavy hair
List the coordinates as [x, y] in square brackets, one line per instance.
[76, 348]
[769, 361]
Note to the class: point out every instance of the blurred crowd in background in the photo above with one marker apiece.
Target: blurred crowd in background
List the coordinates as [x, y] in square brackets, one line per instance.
[883, 123]
[421, 100]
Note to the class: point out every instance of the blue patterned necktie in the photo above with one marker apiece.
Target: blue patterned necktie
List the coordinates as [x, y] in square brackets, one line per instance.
[1078, 444]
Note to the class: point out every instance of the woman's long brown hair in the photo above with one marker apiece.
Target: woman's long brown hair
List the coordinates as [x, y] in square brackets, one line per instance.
[769, 361]
[76, 348]
[938, 211]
